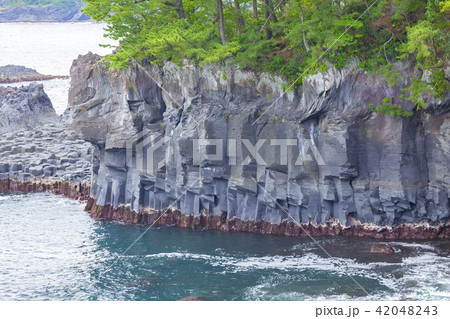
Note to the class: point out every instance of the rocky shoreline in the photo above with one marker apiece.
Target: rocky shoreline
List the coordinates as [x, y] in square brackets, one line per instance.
[173, 217]
[51, 151]
[79, 191]
[38, 152]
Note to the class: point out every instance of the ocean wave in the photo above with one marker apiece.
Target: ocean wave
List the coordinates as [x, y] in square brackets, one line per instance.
[412, 245]
[309, 261]
[422, 277]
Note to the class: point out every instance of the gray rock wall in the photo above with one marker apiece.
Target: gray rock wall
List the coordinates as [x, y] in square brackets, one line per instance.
[345, 161]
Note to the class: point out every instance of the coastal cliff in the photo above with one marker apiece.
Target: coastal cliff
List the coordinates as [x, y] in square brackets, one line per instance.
[357, 166]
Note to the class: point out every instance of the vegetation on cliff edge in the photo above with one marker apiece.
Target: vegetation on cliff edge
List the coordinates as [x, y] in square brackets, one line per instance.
[289, 37]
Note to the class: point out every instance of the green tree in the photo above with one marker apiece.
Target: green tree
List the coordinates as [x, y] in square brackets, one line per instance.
[287, 37]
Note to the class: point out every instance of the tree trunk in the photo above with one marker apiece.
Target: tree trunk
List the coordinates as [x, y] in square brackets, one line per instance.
[221, 22]
[305, 42]
[240, 20]
[178, 5]
[266, 17]
[273, 17]
[255, 9]
[180, 9]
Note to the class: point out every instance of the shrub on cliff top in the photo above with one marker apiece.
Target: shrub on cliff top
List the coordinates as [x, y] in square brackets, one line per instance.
[289, 37]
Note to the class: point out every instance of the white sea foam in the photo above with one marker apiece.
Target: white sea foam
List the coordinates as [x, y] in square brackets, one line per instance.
[283, 263]
[429, 271]
[412, 245]
[426, 276]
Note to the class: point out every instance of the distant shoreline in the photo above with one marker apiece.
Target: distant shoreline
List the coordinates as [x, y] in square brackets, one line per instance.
[47, 21]
[41, 14]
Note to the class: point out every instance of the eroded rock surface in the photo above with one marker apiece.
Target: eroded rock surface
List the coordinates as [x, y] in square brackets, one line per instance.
[25, 107]
[356, 165]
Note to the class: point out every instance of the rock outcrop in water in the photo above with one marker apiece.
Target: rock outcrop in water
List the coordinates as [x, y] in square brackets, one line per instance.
[18, 73]
[342, 162]
[382, 249]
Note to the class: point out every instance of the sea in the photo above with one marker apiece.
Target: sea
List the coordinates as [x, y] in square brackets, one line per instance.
[50, 249]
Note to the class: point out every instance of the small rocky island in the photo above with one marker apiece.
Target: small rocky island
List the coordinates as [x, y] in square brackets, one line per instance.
[17, 73]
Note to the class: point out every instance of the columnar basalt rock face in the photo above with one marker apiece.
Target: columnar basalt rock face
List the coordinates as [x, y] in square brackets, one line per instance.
[34, 143]
[50, 151]
[345, 162]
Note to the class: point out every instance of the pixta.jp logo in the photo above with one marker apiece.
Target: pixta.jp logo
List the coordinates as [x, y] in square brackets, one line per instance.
[148, 151]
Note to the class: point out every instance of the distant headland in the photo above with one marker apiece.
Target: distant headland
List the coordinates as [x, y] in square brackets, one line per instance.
[41, 11]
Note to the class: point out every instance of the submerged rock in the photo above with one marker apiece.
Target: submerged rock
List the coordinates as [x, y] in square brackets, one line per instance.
[382, 249]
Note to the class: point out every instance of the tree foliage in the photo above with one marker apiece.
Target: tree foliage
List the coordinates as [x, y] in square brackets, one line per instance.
[288, 37]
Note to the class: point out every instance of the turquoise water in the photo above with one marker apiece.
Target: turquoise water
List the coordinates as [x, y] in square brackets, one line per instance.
[50, 249]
